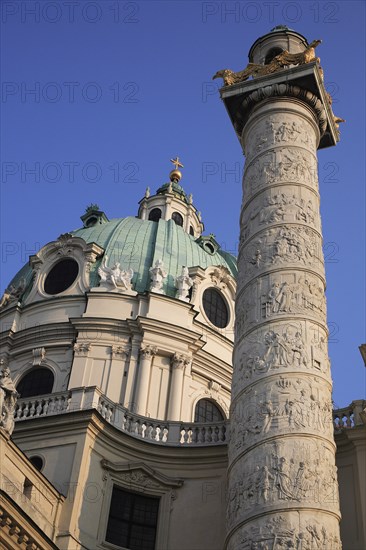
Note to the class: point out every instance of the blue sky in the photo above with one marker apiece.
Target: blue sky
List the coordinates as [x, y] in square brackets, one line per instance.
[121, 87]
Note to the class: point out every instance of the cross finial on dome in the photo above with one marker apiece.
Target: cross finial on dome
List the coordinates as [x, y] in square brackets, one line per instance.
[176, 175]
[176, 163]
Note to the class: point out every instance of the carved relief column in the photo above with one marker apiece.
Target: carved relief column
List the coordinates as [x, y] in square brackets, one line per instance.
[147, 353]
[282, 483]
[179, 363]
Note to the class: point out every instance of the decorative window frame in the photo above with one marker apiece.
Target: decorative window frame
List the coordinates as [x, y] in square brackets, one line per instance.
[220, 279]
[66, 247]
[139, 478]
[212, 395]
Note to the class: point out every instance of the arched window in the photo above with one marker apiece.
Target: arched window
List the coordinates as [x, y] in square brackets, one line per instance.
[271, 54]
[207, 411]
[177, 218]
[191, 231]
[155, 215]
[215, 307]
[36, 382]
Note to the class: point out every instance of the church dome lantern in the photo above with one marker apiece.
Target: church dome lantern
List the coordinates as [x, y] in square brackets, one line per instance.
[171, 202]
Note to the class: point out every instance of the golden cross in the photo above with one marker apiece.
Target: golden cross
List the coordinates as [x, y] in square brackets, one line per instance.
[176, 163]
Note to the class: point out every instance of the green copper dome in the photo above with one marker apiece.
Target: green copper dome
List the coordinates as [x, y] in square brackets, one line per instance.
[138, 244]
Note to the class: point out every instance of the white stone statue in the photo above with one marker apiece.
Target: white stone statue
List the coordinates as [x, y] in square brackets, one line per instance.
[157, 274]
[8, 399]
[115, 277]
[12, 293]
[183, 283]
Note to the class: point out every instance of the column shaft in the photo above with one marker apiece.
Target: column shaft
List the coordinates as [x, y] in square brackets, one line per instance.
[179, 363]
[143, 379]
[281, 476]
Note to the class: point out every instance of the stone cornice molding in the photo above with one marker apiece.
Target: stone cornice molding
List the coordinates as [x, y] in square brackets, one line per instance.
[161, 329]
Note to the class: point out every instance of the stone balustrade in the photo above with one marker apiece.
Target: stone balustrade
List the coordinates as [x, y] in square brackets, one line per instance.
[149, 429]
[351, 416]
[45, 405]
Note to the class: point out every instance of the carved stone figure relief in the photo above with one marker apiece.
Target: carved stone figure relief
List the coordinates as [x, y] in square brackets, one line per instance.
[183, 283]
[279, 130]
[278, 295]
[246, 310]
[279, 208]
[290, 164]
[302, 294]
[304, 473]
[282, 346]
[319, 349]
[157, 275]
[289, 405]
[138, 477]
[298, 246]
[13, 293]
[8, 399]
[115, 278]
[284, 533]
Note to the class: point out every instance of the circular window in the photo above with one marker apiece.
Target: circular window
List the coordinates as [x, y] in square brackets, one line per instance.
[61, 276]
[37, 462]
[215, 308]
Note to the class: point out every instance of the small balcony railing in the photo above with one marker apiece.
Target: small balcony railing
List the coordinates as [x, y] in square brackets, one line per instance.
[351, 416]
[152, 430]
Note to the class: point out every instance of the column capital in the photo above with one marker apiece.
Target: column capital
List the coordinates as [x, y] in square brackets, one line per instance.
[122, 351]
[180, 360]
[148, 351]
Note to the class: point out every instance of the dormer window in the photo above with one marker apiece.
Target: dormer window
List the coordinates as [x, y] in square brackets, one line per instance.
[155, 215]
[177, 218]
[208, 243]
[91, 221]
[93, 216]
